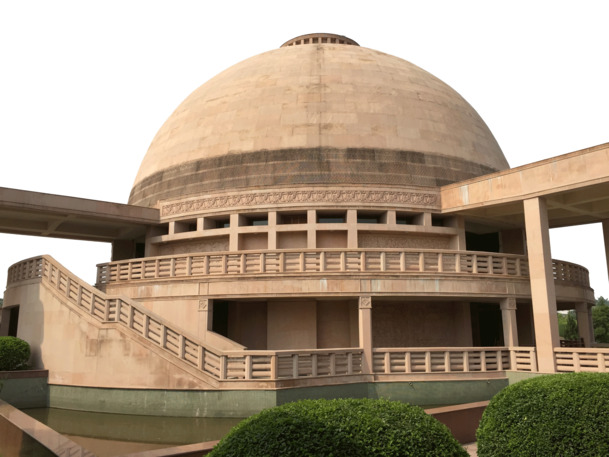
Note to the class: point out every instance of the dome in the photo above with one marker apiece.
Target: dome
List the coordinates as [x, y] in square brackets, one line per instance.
[320, 110]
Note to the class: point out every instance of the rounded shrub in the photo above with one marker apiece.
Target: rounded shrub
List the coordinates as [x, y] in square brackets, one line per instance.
[343, 427]
[553, 415]
[14, 353]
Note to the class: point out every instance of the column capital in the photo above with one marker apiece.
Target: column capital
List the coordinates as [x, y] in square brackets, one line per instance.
[508, 303]
[365, 302]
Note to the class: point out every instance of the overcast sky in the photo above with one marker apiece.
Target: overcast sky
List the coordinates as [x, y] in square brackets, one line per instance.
[85, 85]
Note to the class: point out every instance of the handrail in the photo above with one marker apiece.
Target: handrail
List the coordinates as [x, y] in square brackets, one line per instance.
[582, 359]
[219, 365]
[311, 261]
[453, 359]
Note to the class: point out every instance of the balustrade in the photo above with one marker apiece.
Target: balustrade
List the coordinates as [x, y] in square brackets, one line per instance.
[320, 261]
[582, 359]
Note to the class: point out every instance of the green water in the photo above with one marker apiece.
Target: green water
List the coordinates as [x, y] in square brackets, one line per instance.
[114, 434]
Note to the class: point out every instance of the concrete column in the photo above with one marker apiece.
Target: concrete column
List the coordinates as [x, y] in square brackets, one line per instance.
[352, 229]
[205, 317]
[272, 230]
[606, 236]
[365, 332]
[508, 316]
[311, 229]
[233, 233]
[543, 293]
[584, 323]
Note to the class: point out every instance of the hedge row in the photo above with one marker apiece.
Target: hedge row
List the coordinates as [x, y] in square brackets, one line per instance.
[14, 353]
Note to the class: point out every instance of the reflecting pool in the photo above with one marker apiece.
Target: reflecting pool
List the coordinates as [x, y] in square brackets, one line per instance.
[114, 434]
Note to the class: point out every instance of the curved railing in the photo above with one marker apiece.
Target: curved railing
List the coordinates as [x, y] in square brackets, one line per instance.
[571, 273]
[312, 261]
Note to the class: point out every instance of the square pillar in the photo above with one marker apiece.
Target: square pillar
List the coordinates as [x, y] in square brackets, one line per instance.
[543, 293]
[606, 237]
[508, 316]
[584, 323]
[365, 332]
[205, 317]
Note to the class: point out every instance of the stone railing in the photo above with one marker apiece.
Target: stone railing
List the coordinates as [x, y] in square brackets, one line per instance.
[453, 360]
[218, 365]
[582, 359]
[570, 272]
[350, 261]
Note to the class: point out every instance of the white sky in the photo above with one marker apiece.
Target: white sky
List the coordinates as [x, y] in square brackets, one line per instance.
[85, 85]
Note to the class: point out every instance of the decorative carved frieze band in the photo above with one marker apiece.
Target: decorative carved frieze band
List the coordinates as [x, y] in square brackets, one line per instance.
[384, 197]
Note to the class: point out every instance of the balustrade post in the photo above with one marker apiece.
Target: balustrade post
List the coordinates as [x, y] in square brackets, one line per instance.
[576, 362]
[163, 336]
[332, 364]
[482, 360]
[513, 359]
[282, 262]
[156, 268]
[427, 361]
[343, 262]
[408, 362]
[301, 260]
[322, 261]
[465, 361]
[457, 263]
[383, 263]
[92, 305]
[601, 362]
[499, 360]
[518, 267]
[387, 362]
[248, 366]
[206, 265]
[294, 366]
[201, 358]
[262, 263]
[440, 263]
[491, 265]
[68, 285]
[533, 356]
[181, 346]
[224, 263]
[274, 366]
[421, 262]
[106, 310]
[223, 366]
[475, 264]
[447, 367]
[117, 315]
[349, 362]
[242, 267]
[402, 261]
[504, 268]
[314, 369]
[362, 261]
[189, 265]
[145, 325]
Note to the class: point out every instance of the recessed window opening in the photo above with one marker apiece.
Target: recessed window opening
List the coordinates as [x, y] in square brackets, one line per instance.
[253, 219]
[437, 221]
[371, 217]
[404, 218]
[331, 217]
[295, 217]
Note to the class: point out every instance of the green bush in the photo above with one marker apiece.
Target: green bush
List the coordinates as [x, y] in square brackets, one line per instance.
[554, 415]
[14, 353]
[345, 427]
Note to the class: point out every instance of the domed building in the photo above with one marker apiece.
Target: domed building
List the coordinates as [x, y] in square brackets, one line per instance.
[322, 219]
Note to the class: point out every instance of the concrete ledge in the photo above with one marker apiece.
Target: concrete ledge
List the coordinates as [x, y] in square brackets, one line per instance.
[25, 388]
[46, 437]
[462, 420]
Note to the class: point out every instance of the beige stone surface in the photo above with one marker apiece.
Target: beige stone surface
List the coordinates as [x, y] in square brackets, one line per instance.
[320, 97]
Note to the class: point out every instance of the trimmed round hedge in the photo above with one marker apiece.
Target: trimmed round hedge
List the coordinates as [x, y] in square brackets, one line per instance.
[553, 415]
[14, 353]
[342, 427]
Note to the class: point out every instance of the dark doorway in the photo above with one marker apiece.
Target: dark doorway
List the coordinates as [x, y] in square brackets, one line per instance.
[13, 321]
[487, 325]
[487, 242]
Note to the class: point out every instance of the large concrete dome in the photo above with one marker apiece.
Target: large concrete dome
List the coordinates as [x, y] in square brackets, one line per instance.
[320, 110]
